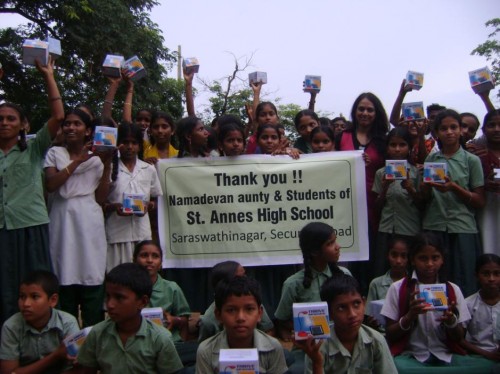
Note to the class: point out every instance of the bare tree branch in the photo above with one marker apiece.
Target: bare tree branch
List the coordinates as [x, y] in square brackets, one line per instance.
[39, 22]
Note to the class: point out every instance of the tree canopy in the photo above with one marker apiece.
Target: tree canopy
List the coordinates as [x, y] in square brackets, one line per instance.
[88, 30]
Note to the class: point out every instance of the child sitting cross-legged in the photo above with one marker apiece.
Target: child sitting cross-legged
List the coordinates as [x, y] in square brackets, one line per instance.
[32, 339]
[238, 307]
[127, 342]
[352, 347]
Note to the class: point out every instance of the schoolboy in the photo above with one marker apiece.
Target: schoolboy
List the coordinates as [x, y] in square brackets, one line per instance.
[238, 307]
[352, 346]
[32, 339]
[126, 342]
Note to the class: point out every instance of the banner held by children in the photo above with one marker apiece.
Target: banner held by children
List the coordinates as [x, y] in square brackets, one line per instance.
[250, 208]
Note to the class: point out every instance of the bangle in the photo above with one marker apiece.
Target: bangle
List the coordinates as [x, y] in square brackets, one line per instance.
[55, 98]
[130, 91]
[401, 325]
[453, 325]
[67, 171]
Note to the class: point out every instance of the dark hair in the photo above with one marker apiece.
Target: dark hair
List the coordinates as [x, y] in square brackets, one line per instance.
[225, 129]
[403, 133]
[86, 119]
[339, 284]
[163, 115]
[338, 119]
[325, 129]
[125, 130]
[45, 279]
[429, 238]
[149, 111]
[142, 243]
[485, 259]
[305, 113]
[380, 125]
[185, 126]
[88, 108]
[261, 106]
[223, 271]
[237, 286]
[434, 107]
[467, 114]
[489, 115]
[439, 119]
[264, 126]
[21, 143]
[398, 239]
[229, 119]
[311, 240]
[132, 276]
[212, 138]
[323, 121]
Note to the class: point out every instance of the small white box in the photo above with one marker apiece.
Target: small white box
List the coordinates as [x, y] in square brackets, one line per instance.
[257, 76]
[74, 341]
[374, 309]
[415, 80]
[133, 203]
[413, 111]
[239, 361]
[105, 137]
[481, 80]
[435, 296]
[35, 50]
[112, 66]
[155, 315]
[133, 69]
[496, 174]
[396, 169]
[190, 64]
[311, 319]
[435, 172]
[54, 47]
[312, 83]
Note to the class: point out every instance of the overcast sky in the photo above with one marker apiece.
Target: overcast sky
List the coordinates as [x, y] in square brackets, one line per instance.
[356, 46]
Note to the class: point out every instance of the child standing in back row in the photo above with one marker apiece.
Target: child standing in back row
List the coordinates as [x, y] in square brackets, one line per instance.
[130, 175]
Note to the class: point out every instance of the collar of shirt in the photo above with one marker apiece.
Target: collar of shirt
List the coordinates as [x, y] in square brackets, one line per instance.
[259, 341]
[53, 323]
[337, 347]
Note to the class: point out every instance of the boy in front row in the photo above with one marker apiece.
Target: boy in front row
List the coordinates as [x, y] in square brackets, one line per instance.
[352, 346]
[32, 340]
[238, 307]
[126, 342]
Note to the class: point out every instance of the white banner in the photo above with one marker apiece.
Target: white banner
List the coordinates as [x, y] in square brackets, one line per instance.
[250, 208]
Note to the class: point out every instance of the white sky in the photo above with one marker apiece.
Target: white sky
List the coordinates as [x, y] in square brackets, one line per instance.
[356, 46]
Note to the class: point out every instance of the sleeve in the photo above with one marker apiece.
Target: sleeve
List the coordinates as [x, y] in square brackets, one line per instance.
[87, 355]
[70, 326]
[461, 306]
[391, 309]
[167, 358]
[265, 324]
[50, 159]
[476, 176]
[284, 310]
[9, 344]
[277, 362]
[208, 328]
[42, 140]
[155, 183]
[180, 304]
[377, 183]
[383, 363]
[204, 359]
[372, 292]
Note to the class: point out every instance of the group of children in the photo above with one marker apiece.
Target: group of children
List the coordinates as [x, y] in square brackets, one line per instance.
[88, 240]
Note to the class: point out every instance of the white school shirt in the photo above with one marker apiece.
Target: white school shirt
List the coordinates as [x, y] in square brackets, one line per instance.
[429, 335]
[142, 180]
[483, 330]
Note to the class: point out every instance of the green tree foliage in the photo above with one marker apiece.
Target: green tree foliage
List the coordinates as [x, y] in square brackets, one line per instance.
[287, 114]
[491, 49]
[88, 30]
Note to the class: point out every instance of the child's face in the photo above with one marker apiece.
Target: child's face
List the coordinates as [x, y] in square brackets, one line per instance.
[427, 262]
[268, 140]
[35, 305]
[365, 113]
[267, 116]
[347, 312]
[129, 148]
[338, 127]
[199, 135]
[239, 315]
[122, 303]
[305, 126]
[489, 277]
[492, 130]
[321, 143]
[397, 148]
[143, 119]
[398, 256]
[449, 132]
[161, 131]
[330, 250]
[149, 257]
[74, 129]
[469, 128]
[10, 123]
[233, 144]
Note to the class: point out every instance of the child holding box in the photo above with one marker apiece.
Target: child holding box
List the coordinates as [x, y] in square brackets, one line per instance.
[132, 176]
[238, 307]
[126, 342]
[32, 340]
[352, 346]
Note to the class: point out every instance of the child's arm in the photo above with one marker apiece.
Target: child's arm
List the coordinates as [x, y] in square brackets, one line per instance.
[469, 347]
[422, 149]
[40, 366]
[312, 350]
[114, 83]
[475, 198]
[188, 77]
[127, 105]
[485, 98]
[55, 100]
[396, 109]
[102, 191]
[312, 100]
